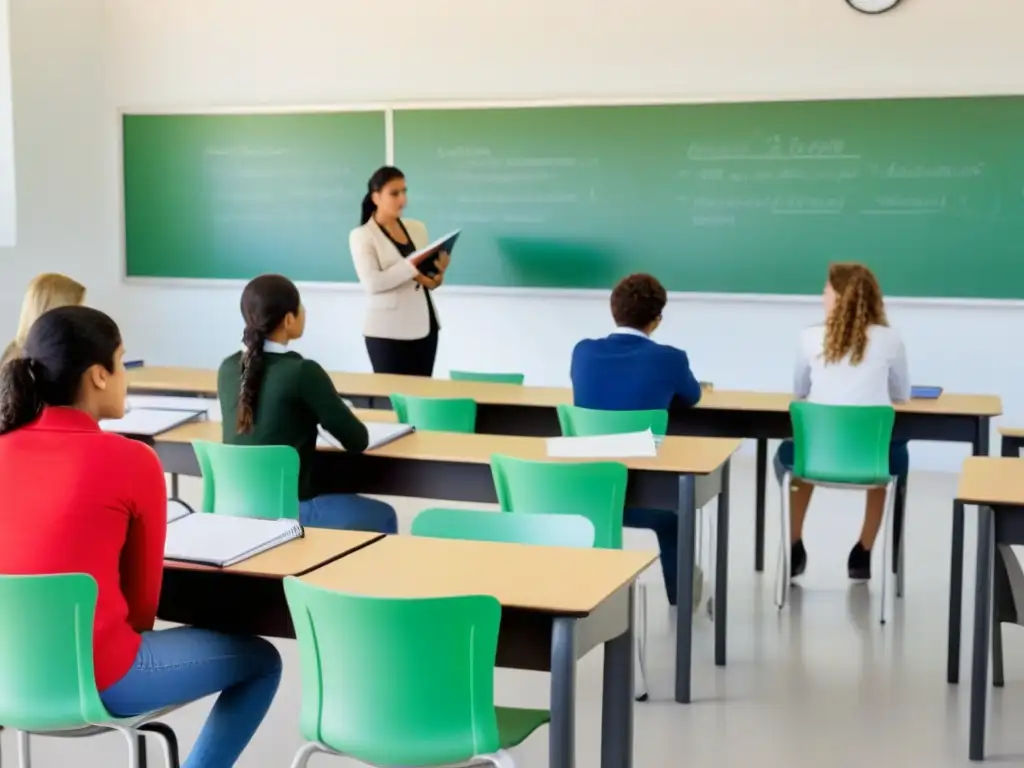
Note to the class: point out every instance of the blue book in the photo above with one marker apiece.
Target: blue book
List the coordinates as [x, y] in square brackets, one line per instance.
[425, 259]
[925, 393]
[134, 364]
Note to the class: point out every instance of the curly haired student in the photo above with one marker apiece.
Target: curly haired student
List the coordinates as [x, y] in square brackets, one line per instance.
[854, 358]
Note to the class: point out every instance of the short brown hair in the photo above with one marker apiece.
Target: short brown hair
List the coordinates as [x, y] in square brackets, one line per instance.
[637, 301]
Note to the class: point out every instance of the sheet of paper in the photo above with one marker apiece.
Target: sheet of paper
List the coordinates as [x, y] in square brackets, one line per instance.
[622, 446]
[209, 405]
[149, 421]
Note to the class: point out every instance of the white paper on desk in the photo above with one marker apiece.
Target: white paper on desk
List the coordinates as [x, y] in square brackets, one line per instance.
[221, 540]
[149, 421]
[380, 433]
[621, 446]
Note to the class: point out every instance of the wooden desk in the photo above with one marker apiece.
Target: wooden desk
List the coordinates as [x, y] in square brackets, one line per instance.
[249, 596]
[511, 409]
[686, 475]
[996, 486]
[557, 605]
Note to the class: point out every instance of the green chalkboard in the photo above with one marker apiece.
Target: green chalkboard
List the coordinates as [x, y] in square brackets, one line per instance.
[233, 196]
[738, 198]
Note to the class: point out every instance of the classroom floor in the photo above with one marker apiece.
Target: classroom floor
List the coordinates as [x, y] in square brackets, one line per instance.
[819, 684]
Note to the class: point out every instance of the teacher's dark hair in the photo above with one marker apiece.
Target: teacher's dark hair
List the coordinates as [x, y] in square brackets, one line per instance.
[381, 178]
[61, 346]
[266, 301]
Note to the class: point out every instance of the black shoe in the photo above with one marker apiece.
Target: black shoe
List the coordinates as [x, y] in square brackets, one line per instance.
[859, 564]
[797, 559]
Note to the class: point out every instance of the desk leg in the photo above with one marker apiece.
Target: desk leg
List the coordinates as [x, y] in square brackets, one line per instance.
[562, 731]
[174, 487]
[956, 590]
[759, 510]
[684, 585]
[722, 568]
[617, 701]
[982, 617]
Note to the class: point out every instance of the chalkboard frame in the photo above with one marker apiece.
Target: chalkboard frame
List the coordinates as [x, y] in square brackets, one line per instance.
[389, 108]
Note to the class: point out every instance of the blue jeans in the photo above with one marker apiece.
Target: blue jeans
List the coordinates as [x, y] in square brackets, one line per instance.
[180, 665]
[350, 512]
[665, 525]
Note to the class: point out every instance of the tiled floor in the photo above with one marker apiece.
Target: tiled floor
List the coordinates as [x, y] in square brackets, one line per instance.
[821, 684]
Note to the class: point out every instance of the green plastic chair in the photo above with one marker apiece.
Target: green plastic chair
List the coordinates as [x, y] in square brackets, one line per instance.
[436, 414]
[47, 681]
[584, 422]
[249, 480]
[489, 378]
[595, 490]
[839, 446]
[520, 528]
[402, 682]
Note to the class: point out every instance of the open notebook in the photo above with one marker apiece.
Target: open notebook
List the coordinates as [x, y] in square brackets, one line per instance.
[222, 540]
[148, 422]
[380, 432]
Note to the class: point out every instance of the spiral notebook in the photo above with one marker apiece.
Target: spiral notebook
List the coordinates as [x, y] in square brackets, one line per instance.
[222, 540]
[379, 433]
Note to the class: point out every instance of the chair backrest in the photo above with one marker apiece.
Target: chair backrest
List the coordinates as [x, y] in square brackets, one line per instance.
[491, 378]
[47, 681]
[249, 480]
[397, 681]
[584, 422]
[520, 528]
[842, 443]
[436, 414]
[595, 490]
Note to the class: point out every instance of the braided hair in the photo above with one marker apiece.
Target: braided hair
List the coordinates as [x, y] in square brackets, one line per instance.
[266, 301]
[858, 306]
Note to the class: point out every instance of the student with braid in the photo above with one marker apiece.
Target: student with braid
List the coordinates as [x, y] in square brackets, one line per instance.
[272, 396]
[854, 358]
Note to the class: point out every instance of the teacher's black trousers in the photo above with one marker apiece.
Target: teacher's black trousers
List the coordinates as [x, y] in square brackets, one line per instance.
[409, 358]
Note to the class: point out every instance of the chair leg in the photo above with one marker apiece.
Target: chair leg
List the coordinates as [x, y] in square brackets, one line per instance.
[302, 756]
[167, 739]
[24, 751]
[641, 641]
[888, 514]
[132, 737]
[782, 569]
[500, 759]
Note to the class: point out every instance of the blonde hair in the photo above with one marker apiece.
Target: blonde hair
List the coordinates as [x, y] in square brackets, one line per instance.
[858, 306]
[45, 292]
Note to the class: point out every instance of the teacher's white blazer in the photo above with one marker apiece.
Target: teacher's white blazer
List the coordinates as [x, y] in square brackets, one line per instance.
[397, 307]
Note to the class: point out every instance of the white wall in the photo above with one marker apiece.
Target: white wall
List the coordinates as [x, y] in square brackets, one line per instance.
[215, 53]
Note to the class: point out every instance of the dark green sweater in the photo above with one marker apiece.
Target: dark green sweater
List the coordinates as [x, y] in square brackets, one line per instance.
[295, 396]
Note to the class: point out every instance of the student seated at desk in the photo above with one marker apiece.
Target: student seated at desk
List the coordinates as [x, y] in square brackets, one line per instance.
[279, 398]
[627, 371]
[78, 500]
[854, 358]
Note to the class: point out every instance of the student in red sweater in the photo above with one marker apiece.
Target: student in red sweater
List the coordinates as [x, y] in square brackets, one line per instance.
[74, 499]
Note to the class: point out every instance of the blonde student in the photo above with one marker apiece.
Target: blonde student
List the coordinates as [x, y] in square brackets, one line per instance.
[47, 291]
[853, 358]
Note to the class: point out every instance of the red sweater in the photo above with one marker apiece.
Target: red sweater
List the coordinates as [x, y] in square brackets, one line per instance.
[74, 499]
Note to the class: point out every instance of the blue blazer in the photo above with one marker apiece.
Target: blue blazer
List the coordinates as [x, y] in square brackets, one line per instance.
[626, 372]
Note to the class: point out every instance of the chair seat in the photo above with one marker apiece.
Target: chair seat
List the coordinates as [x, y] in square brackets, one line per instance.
[844, 486]
[78, 731]
[515, 724]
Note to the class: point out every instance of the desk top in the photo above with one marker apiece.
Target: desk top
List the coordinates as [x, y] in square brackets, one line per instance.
[317, 547]
[568, 582]
[1011, 431]
[682, 455]
[991, 480]
[194, 381]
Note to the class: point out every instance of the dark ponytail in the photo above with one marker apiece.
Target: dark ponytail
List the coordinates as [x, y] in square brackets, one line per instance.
[61, 346]
[266, 301]
[381, 177]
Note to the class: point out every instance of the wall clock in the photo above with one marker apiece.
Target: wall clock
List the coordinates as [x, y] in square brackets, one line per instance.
[873, 6]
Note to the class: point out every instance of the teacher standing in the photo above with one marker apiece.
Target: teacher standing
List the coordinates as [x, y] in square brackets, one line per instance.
[401, 326]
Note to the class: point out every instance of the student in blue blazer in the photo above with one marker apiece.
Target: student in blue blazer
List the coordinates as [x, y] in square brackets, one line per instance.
[627, 371]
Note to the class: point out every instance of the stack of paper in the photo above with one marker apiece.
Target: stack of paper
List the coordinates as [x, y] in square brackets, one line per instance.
[381, 433]
[622, 446]
[222, 540]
